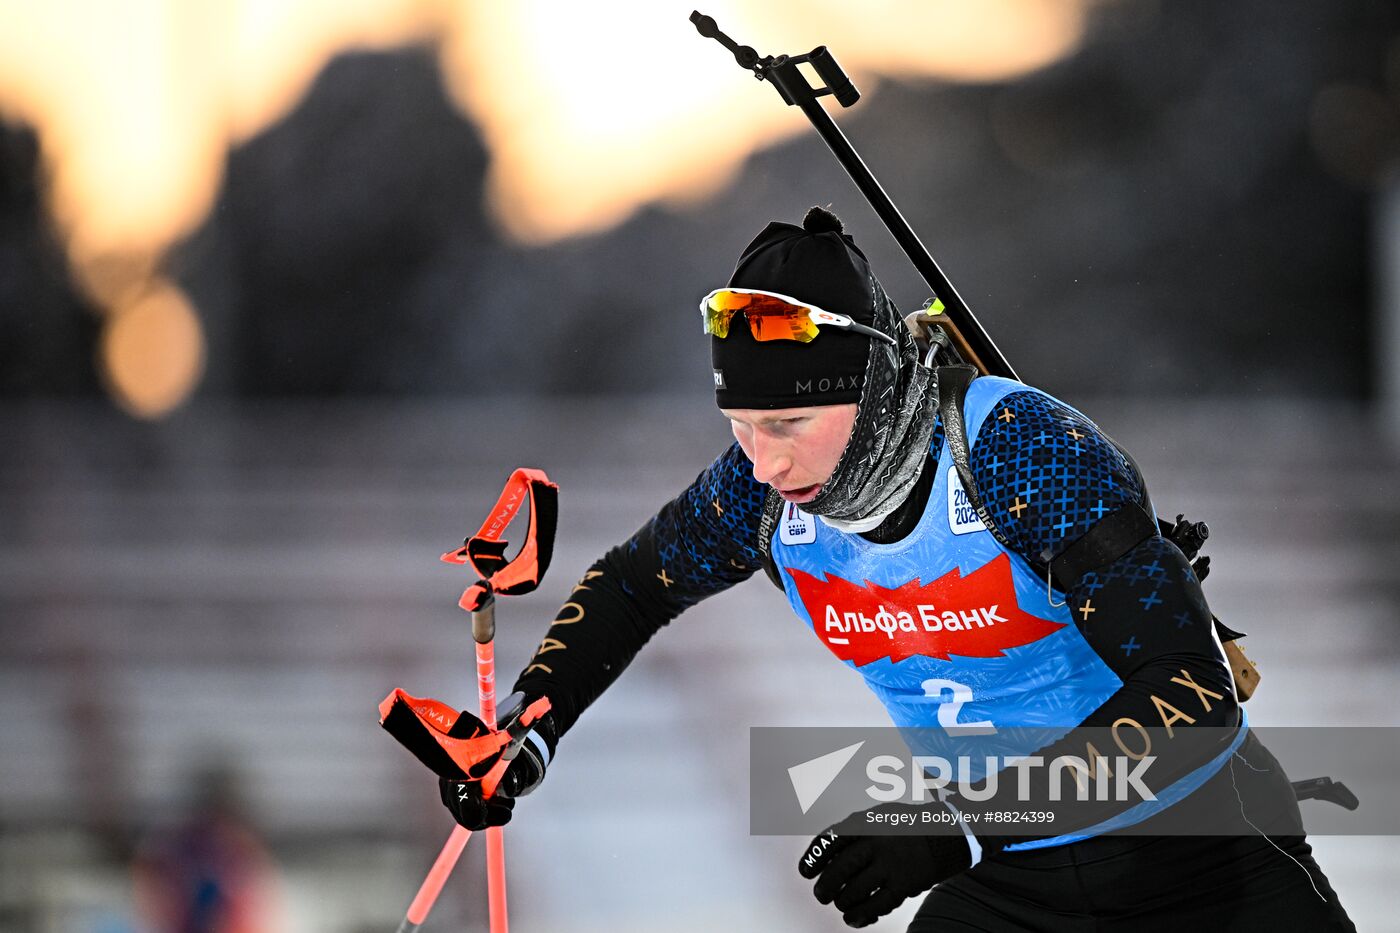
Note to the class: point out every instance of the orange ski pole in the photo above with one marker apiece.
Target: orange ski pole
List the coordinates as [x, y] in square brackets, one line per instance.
[428, 892]
[483, 633]
[485, 551]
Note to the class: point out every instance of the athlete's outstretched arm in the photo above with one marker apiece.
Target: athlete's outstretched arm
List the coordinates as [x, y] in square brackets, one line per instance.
[703, 541]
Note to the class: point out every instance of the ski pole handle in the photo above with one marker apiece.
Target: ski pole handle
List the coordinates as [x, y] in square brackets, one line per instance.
[484, 634]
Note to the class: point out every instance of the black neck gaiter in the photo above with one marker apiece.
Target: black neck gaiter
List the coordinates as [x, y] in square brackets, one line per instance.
[889, 442]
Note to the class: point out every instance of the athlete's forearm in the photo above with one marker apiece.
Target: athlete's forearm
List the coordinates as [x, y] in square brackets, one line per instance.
[701, 542]
[1145, 616]
[592, 639]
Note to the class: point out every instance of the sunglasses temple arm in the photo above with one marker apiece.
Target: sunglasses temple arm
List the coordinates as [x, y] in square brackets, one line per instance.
[792, 85]
[872, 332]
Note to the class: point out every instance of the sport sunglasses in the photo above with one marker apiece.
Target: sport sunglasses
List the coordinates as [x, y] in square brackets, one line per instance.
[774, 317]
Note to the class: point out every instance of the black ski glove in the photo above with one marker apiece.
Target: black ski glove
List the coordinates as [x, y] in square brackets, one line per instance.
[869, 876]
[462, 795]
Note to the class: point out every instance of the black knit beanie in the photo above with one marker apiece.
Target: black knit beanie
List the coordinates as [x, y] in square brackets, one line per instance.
[818, 264]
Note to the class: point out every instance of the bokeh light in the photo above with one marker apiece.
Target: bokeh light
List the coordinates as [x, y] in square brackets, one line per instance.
[588, 112]
[152, 351]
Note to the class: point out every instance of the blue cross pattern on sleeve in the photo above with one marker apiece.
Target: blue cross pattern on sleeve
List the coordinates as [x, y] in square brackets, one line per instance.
[1151, 585]
[1047, 473]
[707, 538]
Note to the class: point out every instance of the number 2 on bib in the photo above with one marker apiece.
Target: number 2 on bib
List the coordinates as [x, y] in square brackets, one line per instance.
[948, 709]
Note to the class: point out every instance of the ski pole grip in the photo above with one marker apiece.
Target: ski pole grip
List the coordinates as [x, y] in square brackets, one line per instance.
[484, 617]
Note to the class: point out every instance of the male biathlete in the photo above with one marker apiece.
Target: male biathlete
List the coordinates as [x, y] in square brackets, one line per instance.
[991, 617]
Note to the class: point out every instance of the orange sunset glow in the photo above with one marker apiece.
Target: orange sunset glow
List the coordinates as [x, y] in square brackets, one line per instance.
[588, 111]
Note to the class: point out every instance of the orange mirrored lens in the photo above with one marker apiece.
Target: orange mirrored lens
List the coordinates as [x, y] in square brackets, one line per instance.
[769, 318]
[781, 324]
[720, 309]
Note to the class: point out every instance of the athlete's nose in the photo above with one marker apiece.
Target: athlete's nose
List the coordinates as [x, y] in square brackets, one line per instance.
[770, 459]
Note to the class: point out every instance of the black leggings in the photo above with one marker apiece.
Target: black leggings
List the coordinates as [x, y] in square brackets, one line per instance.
[1232, 884]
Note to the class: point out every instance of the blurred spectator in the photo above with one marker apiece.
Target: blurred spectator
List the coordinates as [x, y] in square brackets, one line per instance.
[211, 874]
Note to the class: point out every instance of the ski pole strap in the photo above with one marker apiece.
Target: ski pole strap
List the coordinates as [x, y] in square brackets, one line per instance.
[452, 745]
[486, 549]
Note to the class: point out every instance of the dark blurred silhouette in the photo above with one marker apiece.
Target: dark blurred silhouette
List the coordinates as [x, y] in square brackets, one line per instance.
[47, 331]
[212, 873]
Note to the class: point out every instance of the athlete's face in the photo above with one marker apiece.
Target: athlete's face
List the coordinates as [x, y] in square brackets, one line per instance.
[794, 450]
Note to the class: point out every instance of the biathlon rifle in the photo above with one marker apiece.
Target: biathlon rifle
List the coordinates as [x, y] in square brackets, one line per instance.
[948, 311]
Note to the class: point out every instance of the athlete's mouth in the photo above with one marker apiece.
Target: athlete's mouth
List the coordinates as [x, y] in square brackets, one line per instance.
[801, 494]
